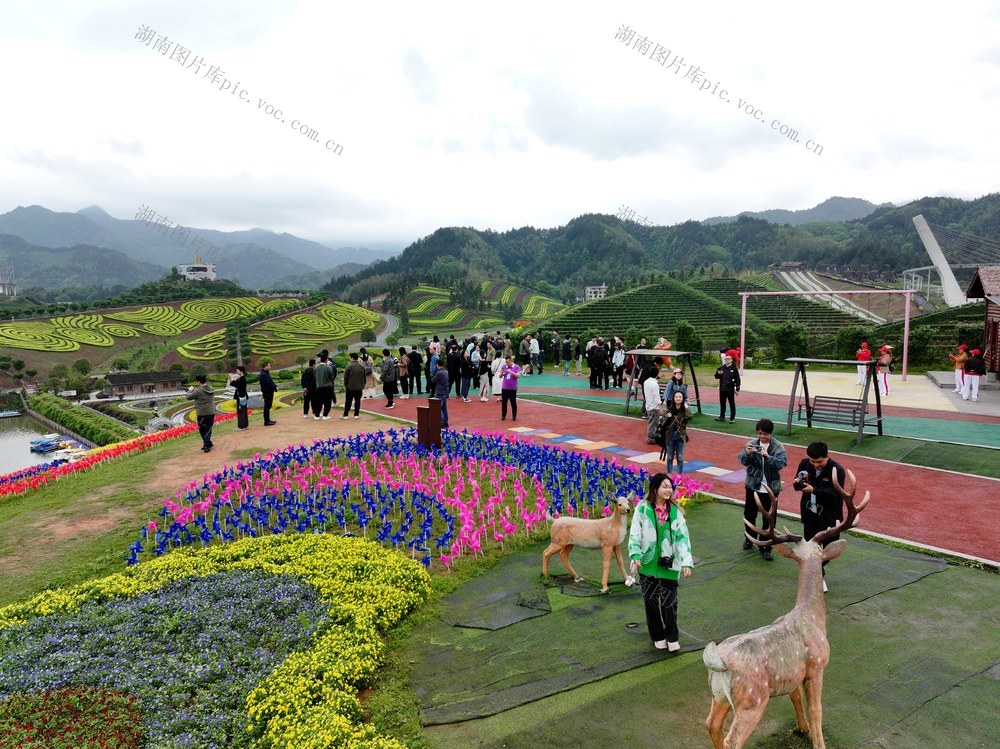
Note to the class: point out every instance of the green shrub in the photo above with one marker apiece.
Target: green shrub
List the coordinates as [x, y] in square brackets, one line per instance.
[88, 424]
[792, 340]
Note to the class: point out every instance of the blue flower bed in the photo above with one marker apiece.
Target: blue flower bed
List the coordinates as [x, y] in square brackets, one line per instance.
[192, 651]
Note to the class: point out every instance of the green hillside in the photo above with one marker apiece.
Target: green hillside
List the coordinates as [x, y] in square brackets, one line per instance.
[655, 308]
[819, 319]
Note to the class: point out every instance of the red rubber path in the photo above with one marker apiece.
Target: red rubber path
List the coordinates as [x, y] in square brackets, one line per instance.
[936, 508]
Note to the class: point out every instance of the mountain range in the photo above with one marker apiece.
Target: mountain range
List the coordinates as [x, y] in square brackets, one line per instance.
[831, 209]
[598, 248]
[92, 248]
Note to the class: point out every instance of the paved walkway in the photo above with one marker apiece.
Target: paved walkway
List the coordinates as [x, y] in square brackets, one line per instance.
[926, 506]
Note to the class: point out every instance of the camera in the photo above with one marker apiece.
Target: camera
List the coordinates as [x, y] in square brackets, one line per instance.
[665, 562]
[801, 479]
[803, 476]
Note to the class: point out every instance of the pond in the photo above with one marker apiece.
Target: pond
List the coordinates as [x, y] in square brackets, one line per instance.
[15, 438]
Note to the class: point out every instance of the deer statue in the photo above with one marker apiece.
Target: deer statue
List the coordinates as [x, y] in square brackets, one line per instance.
[605, 534]
[787, 657]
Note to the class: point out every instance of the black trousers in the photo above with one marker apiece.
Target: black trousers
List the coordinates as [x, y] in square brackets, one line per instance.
[750, 510]
[205, 424]
[352, 395]
[309, 399]
[660, 597]
[242, 417]
[508, 396]
[322, 399]
[268, 400]
[727, 396]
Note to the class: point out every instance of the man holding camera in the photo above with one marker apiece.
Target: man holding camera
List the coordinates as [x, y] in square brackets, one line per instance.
[764, 458]
[822, 505]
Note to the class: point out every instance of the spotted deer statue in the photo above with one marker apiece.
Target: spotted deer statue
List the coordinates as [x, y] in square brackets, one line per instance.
[787, 657]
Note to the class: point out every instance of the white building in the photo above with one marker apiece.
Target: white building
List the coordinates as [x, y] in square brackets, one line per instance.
[595, 292]
[197, 271]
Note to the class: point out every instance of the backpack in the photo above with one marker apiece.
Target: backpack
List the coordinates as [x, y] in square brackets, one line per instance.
[390, 372]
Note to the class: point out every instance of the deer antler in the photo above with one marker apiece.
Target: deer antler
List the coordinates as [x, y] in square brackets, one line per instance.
[769, 516]
[852, 510]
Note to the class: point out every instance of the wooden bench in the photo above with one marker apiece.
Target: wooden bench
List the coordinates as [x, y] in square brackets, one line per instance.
[833, 410]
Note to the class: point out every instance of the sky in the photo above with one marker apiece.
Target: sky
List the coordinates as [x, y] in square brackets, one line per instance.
[494, 116]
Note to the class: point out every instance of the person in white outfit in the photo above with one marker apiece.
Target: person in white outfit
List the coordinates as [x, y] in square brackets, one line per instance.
[884, 362]
[651, 392]
[975, 368]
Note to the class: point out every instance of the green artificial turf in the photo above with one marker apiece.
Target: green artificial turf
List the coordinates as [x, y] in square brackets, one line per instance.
[910, 638]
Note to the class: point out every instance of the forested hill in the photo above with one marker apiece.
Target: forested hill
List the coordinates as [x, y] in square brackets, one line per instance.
[596, 248]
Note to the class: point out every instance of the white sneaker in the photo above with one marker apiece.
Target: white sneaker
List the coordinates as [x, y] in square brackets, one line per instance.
[343, 417]
[483, 400]
[466, 400]
[824, 586]
[357, 417]
[315, 418]
[673, 647]
[306, 416]
[660, 644]
[326, 418]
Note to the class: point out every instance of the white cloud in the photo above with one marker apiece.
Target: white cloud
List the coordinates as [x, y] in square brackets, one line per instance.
[491, 116]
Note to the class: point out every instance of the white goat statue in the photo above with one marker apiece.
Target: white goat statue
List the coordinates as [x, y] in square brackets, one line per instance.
[605, 534]
[788, 656]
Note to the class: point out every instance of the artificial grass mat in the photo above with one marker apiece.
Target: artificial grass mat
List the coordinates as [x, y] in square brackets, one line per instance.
[912, 639]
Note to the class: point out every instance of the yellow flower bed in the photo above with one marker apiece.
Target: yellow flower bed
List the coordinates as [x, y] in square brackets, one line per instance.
[309, 701]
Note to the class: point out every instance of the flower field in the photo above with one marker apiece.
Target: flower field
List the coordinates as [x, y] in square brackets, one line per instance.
[304, 332]
[431, 309]
[534, 305]
[478, 491]
[67, 334]
[253, 608]
[262, 642]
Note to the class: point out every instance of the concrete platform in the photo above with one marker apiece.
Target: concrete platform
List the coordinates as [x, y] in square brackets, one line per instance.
[946, 379]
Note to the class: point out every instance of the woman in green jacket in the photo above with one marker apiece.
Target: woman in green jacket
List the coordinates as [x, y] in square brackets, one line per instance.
[660, 550]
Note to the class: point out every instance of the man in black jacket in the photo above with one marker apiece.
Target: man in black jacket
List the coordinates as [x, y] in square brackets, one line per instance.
[821, 505]
[728, 376]
[267, 390]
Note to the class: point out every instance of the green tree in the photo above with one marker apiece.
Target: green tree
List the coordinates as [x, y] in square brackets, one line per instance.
[791, 340]
[688, 339]
[30, 373]
[198, 369]
[849, 338]
[368, 335]
[392, 341]
[631, 337]
[18, 364]
[342, 348]
[82, 366]
[301, 359]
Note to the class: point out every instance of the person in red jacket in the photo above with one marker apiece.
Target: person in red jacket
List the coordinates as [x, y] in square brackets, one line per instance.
[975, 368]
[863, 354]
